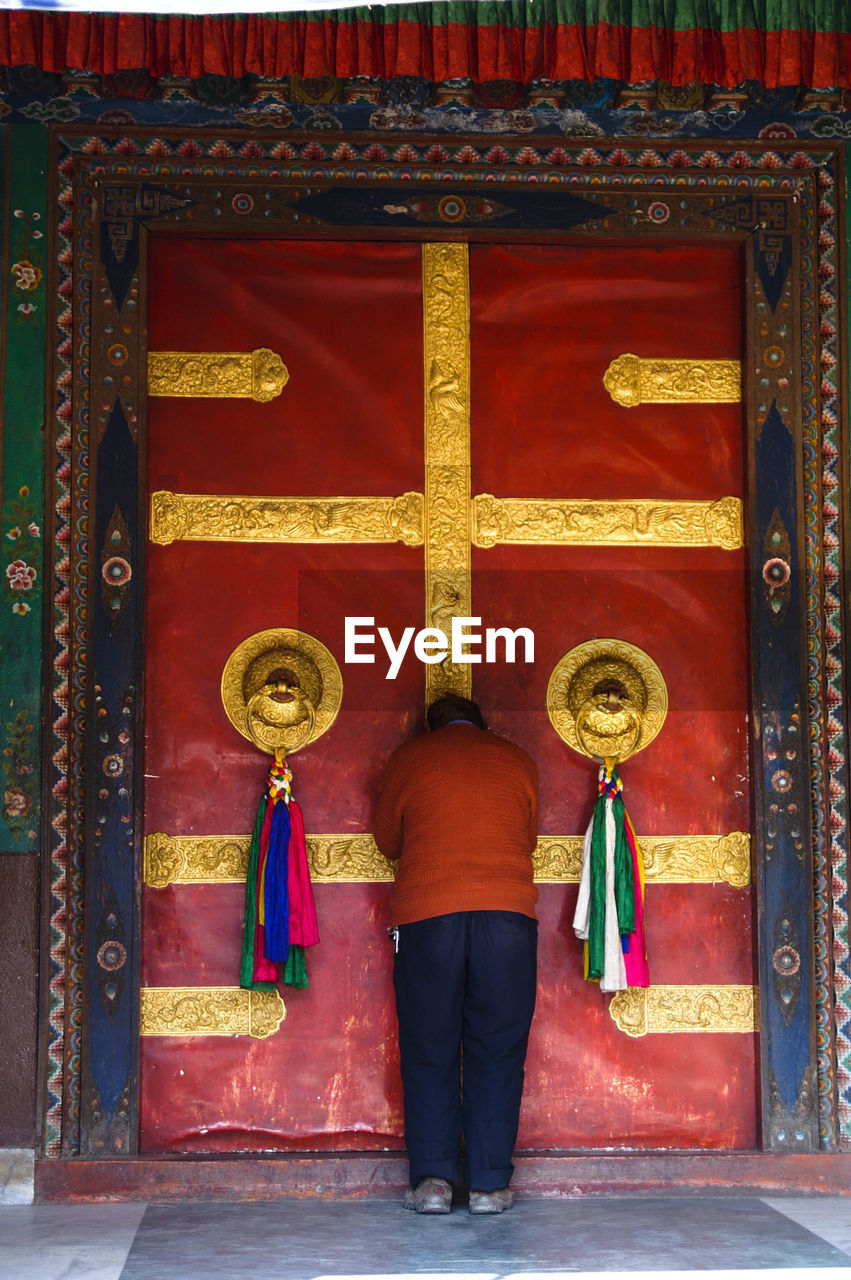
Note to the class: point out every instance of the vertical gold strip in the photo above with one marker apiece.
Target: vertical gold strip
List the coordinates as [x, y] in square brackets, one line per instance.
[448, 530]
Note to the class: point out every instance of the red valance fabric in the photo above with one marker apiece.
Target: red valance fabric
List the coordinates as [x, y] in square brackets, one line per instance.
[774, 42]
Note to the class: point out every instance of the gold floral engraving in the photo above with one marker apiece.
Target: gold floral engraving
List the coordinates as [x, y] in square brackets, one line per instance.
[209, 1011]
[641, 1011]
[246, 375]
[632, 380]
[446, 356]
[200, 517]
[588, 522]
[607, 698]
[283, 655]
[667, 859]
[345, 858]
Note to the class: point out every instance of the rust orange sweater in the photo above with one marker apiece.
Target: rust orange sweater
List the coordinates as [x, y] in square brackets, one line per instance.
[459, 810]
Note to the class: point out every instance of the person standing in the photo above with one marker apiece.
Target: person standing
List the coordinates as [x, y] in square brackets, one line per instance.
[458, 812]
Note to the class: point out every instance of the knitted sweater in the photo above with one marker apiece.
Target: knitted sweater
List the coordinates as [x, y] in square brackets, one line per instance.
[459, 810]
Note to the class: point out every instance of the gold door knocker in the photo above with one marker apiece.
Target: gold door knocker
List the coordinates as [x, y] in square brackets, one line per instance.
[607, 699]
[280, 705]
[281, 689]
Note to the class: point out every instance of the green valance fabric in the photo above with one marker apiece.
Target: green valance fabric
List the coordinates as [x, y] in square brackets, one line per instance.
[725, 42]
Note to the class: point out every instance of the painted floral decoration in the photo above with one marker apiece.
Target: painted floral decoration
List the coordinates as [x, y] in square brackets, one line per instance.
[27, 275]
[27, 268]
[21, 576]
[19, 774]
[24, 533]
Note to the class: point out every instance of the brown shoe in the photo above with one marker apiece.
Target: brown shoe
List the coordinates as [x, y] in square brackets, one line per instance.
[430, 1195]
[491, 1201]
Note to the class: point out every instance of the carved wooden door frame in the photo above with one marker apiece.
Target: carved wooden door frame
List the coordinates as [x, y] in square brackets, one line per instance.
[110, 203]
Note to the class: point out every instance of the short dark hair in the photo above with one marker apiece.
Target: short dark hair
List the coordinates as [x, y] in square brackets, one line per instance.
[451, 706]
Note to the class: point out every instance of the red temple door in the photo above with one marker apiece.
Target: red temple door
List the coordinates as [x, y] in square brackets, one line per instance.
[535, 335]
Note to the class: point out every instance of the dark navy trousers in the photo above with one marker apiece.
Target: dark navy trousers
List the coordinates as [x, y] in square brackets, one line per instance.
[465, 995]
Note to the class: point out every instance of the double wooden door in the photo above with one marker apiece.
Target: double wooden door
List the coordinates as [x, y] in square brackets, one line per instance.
[537, 506]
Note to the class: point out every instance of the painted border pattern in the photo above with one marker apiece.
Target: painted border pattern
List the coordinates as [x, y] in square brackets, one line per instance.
[836, 1032]
[168, 154]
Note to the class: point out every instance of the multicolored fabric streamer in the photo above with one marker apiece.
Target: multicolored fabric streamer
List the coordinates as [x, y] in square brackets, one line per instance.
[280, 914]
[609, 913]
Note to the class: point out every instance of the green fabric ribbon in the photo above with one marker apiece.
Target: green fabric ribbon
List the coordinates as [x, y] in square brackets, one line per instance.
[624, 883]
[249, 920]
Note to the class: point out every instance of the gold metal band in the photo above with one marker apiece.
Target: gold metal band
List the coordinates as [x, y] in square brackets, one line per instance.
[631, 380]
[446, 354]
[233, 375]
[200, 517]
[228, 1011]
[209, 1011]
[347, 858]
[641, 1011]
[588, 523]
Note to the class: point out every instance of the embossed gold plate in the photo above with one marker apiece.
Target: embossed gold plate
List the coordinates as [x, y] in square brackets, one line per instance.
[212, 517]
[209, 1011]
[631, 380]
[446, 359]
[587, 522]
[244, 375]
[641, 1011]
[260, 659]
[575, 688]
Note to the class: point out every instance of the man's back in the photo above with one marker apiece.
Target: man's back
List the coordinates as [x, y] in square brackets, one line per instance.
[459, 809]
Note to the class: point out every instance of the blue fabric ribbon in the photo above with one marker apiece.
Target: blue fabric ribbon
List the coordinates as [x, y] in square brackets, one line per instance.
[276, 899]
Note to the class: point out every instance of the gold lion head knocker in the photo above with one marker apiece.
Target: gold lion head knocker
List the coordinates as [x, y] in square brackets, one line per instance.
[281, 689]
[280, 705]
[607, 699]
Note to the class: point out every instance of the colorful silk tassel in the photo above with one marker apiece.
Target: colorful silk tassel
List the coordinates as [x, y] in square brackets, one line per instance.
[609, 913]
[280, 914]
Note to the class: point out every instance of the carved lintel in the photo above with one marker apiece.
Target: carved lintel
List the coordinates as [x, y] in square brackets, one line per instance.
[446, 346]
[200, 517]
[589, 522]
[244, 375]
[209, 1011]
[641, 1011]
[631, 380]
[345, 858]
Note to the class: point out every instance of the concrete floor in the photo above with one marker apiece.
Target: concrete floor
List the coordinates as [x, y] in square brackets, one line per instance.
[378, 1240]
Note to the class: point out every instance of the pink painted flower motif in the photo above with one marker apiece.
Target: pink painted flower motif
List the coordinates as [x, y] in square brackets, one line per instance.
[21, 576]
[27, 308]
[34, 530]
